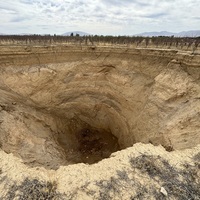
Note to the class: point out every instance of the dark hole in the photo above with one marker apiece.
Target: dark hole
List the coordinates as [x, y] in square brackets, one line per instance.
[93, 145]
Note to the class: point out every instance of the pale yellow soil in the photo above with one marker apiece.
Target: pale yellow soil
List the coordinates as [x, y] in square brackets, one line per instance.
[62, 105]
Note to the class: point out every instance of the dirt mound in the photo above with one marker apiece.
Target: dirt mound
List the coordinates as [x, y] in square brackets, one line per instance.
[139, 172]
[73, 105]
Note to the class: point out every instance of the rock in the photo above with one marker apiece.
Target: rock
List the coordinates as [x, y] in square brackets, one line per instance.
[163, 191]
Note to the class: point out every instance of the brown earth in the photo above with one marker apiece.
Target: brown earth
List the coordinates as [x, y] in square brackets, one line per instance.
[62, 105]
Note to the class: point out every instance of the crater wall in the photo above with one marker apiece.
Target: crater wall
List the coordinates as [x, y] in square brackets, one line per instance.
[61, 105]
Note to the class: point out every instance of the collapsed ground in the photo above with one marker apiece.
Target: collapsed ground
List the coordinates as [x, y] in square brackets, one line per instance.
[64, 105]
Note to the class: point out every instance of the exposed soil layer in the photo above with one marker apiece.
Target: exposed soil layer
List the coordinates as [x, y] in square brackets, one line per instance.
[63, 105]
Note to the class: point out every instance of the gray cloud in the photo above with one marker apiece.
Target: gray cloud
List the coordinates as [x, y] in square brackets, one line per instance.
[124, 3]
[18, 19]
[156, 15]
[27, 1]
[98, 16]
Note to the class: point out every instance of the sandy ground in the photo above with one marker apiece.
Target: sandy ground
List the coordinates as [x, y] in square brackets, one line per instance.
[60, 100]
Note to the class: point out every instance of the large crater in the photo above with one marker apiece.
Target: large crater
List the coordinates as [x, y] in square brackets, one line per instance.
[81, 105]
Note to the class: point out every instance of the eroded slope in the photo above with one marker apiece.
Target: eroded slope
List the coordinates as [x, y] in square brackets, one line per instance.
[77, 105]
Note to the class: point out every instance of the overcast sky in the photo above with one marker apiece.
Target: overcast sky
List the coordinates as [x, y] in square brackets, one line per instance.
[107, 17]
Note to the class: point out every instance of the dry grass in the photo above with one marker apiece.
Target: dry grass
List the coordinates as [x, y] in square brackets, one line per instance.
[179, 184]
[197, 157]
[32, 190]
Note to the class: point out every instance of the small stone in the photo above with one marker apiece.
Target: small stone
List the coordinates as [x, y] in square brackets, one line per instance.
[163, 191]
[104, 184]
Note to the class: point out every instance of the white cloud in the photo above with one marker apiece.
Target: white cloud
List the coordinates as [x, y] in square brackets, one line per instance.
[98, 16]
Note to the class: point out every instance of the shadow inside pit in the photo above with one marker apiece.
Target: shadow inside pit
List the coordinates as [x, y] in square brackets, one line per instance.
[93, 145]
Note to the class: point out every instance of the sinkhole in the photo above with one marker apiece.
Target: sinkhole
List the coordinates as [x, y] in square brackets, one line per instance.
[92, 145]
[85, 109]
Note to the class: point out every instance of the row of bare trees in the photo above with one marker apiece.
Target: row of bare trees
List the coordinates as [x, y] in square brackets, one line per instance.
[93, 39]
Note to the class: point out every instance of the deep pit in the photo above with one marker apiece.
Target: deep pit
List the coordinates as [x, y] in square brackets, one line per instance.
[83, 105]
[92, 146]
